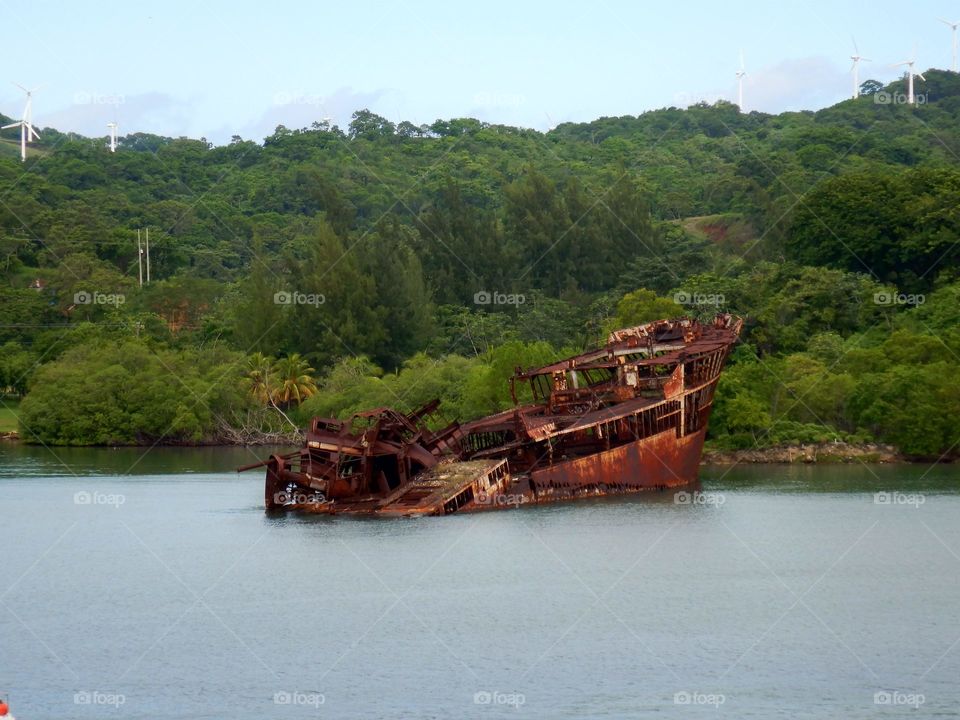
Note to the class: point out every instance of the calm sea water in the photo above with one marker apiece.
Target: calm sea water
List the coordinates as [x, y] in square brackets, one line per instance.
[153, 586]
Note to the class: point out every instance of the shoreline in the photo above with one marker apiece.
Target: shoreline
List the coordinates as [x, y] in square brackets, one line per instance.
[810, 454]
[804, 453]
[259, 440]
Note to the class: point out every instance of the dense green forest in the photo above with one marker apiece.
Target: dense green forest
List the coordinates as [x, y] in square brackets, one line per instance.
[326, 270]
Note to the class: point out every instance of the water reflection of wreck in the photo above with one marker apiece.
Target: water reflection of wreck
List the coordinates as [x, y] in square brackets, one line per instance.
[626, 417]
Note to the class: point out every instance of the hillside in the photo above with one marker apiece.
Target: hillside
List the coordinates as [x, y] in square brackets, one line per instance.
[382, 241]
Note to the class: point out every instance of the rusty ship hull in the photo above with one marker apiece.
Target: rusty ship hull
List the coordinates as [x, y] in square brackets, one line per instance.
[630, 416]
[654, 463]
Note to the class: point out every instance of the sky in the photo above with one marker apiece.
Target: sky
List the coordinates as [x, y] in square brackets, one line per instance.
[218, 69]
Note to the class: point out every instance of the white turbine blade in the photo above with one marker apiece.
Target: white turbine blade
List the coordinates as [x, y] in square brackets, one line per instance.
[863, 59]
[21, 87]
[741, 60]
[33, 132]
[855, 48]
[920, 75]
[12, 125]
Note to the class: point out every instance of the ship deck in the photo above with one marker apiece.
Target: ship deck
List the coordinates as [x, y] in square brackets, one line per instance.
[445, 488]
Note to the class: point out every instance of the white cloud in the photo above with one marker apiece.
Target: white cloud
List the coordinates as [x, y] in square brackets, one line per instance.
[91, 110]
[798, 84]
[296, 108]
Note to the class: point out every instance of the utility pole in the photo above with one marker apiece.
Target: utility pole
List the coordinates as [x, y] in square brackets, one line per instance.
[139, 257]
[148, 256]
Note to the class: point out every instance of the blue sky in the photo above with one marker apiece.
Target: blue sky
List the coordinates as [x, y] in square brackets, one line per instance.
[215, 69]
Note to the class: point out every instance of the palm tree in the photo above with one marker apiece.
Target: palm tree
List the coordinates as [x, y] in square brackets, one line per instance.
[294, 380]
[260, 379]
[264, 381]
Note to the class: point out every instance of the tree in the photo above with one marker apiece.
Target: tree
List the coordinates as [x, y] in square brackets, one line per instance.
[408, 129]
[124, 393]
[911, 406]
[368, 125]
[331, 313]
[642, 306]
[461, 247]
[900, 228]
[17, 365]
[294, 380]
[538, 225]
[402, 298]
[260, 379]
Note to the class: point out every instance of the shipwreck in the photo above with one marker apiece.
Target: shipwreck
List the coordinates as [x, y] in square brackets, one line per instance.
[626, 417]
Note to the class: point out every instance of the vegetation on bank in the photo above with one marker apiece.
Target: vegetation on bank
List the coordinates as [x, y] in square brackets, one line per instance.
[327, 271]
[8, 415]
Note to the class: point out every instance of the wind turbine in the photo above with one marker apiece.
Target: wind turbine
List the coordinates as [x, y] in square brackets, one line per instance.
[112, 127]
[910, 76]
[25, 124]
[740, 74]
[856, 69]
[552, 125]
[953, 27]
